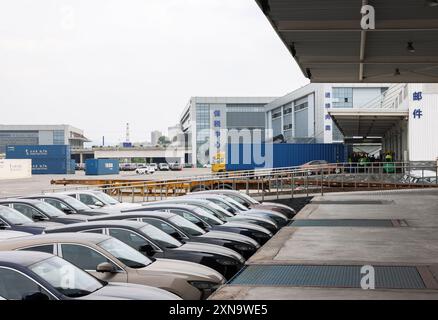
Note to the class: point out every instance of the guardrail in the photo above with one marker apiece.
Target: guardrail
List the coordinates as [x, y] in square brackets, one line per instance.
[289, 180]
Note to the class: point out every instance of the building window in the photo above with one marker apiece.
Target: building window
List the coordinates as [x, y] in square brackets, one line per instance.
[276, 113]
[58, 137]
[244, 107]
[202, 128]
[342, 98]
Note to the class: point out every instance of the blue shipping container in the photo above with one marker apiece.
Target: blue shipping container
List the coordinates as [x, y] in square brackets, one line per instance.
[72, 168]
[38, 152]
[50, 166]
[101, 166]
[279, 155]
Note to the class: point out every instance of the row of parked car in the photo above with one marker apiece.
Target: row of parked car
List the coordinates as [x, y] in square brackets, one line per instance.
[85, 244]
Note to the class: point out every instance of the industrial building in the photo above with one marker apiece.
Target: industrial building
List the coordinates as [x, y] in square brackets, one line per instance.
[63, 134]
[302, 116]
[205, 119]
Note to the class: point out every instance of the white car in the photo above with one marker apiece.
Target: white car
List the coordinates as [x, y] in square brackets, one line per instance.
[99, 199]
[145, 170]
[163, 167]
[9, 234]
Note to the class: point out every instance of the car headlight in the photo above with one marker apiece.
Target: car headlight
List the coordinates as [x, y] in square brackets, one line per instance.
[227, 262]
[244, 247]
[203, 285]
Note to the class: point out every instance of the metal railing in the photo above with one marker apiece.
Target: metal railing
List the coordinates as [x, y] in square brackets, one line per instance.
[291, 181]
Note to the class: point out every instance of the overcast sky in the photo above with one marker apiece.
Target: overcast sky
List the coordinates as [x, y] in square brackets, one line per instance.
[98, 64]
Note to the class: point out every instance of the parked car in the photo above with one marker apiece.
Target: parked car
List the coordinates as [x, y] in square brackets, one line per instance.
[153, 165]
[8, 234]
[252, 203]
[41, 211]
[26, 275]
[163, 166]
[222, 214]
[69, 205]
[209, 222]
[185, 231]
[236, 208]
[153, 242]
[99, 199]
[145, 170]
[127, 166]
[11, 219]
[109, 259]
[176, 166]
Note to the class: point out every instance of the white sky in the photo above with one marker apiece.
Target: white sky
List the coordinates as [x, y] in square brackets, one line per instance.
[98, 64]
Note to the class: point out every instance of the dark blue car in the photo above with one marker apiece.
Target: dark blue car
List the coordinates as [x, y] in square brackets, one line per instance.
[11, 219]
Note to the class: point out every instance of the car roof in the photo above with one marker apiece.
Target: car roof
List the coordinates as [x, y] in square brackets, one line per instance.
[23, 200]
[169, 205]
[49, 195]
[24, 258]
[8, 234]
[108, 223]
[162, 214]
[66, 193]
[83, 238]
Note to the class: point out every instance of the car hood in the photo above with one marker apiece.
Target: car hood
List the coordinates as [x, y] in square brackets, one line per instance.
[278, 205]
[126, 291]
[211, 248]
[80, 217]
[125, 205]
[266, 212]
[255, 216]
[230, 236]
[43, 224]
[245, 225]
[189, 270]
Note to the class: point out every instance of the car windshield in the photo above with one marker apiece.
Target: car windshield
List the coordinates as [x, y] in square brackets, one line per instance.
[217, 213]
[211, 219]
[126, 254]
[223, 204]
[247, 197]
[13, 216]
[238, 199]
[49, 210]
[76, 204]
[105, 198]
[160, 237]
[187, 226]
[235, 204]
[66, 278]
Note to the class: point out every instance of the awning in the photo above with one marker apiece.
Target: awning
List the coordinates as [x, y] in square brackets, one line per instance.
[327, 41]
[366, 122]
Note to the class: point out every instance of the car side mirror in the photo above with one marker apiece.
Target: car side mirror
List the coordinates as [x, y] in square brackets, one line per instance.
[176, 235]
[3, 225]
[38, 217]
[147, 249]
[35, 296]
[99, 204]
[106, 267]
[68, 211]
[200, 225]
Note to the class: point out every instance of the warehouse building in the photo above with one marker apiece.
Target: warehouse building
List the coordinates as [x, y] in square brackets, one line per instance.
[41, 135]
[205, 121]
[302, 115]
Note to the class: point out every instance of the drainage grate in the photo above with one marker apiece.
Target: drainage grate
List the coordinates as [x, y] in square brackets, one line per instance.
[351, 202]
[386, 277]
[341, 223]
